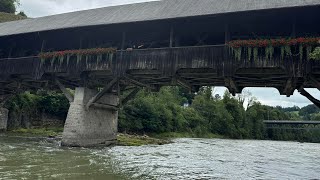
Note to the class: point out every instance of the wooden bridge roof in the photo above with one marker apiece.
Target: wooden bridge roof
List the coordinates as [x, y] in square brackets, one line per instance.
[149, 11]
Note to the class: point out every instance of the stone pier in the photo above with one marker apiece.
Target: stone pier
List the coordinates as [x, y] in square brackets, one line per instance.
[93, 126]
[3, 119]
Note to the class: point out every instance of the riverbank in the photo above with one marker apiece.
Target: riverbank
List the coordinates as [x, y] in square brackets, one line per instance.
[173, 135]
[53, 132]
[122, 139]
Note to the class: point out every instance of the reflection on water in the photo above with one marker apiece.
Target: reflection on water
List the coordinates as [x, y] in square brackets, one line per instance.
[22, 158]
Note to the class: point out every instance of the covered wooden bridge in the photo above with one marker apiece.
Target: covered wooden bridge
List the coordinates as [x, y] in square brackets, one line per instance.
[192, 43]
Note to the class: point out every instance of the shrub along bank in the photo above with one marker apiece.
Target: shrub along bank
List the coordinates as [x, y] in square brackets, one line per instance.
[165, 114]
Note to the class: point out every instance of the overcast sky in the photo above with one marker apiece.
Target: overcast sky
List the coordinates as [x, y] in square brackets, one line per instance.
[38, 8]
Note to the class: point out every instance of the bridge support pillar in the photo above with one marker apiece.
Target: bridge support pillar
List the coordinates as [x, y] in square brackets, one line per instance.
[93, 126]
[3, 119]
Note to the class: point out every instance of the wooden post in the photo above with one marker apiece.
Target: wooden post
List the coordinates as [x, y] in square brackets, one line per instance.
[123, 40]
[227, 33]
[171, 37]
[294, 28]
[80, 43]
[43, 45]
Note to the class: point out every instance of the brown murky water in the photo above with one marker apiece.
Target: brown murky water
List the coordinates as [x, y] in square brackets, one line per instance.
[25, 158]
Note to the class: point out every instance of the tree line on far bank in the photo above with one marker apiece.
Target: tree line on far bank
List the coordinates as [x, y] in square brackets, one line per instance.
[10, 6]
[165, 112]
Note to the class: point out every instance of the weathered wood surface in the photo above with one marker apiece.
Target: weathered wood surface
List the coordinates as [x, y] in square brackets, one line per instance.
[195, 66]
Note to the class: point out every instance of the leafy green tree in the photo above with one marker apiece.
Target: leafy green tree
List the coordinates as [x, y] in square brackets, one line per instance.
[8, 6]
[21, 13]
[316, 54]
[315, 117]
[308, 110]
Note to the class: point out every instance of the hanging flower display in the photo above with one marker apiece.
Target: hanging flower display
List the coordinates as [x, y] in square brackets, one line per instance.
[267, 47]
[80, 52]
[59, 57]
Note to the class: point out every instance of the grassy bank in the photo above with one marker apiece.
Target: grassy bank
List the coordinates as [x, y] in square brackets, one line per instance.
[5, 17]
[136, 140]
[170, 135]
[40, 132]
[123, 139]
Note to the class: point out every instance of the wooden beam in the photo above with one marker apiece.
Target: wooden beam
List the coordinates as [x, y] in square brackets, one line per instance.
[294, 27]
[289, 87]
[101, 93]
[227, 33]
[231, 85]
[315, 82]
[130, 96]
[310, 97]
[43, 44]
[136, 82]
[64, 90]
[182, 82]
[123, 41]
[171, 37]
[4, 99]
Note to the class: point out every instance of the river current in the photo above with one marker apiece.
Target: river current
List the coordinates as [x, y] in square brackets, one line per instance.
[28, 158]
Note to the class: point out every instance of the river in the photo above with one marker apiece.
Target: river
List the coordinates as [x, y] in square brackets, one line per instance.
[33, 158]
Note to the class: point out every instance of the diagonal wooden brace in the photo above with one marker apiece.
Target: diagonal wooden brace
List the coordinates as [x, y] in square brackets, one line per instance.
[310, 97]
[4, 99]
[182, 82]
[132, 80]
[315, 82]
[289, 87]
[101, 93]
[231, 85]
[64, 90]
[130, 96]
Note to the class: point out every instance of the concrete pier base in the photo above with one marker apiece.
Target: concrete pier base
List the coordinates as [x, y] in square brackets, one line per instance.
[3, 119]
[94, 126]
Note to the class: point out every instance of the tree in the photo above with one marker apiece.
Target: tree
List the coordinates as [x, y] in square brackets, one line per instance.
[8, 6]
[316, 54]
[246, 97]
[21, 13]
[308, 110]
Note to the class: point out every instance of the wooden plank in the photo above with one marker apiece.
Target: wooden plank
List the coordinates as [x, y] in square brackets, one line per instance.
[310, 97]
[171, 37]
[101, 93]
[136, 82]
[315, 82]
[68, 95]
[130, 96]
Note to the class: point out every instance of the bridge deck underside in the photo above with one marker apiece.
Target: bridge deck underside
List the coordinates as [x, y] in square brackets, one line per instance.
[191, 67]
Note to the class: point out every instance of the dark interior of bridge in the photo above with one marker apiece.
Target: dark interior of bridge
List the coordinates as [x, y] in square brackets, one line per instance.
[193, 31]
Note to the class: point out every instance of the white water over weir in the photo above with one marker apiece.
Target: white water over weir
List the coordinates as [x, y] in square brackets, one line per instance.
[22, 158]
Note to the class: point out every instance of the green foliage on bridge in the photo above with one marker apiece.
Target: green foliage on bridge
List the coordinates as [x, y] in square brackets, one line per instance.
[316, 54]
